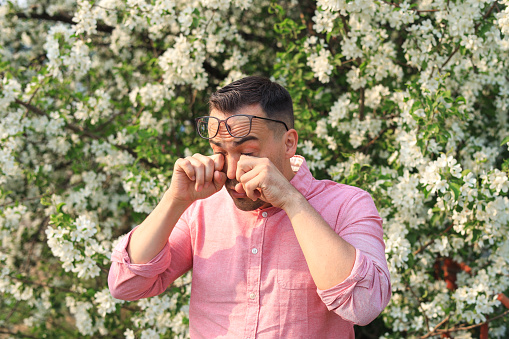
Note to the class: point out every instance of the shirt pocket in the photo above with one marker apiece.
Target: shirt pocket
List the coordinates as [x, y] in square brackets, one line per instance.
[292, 268]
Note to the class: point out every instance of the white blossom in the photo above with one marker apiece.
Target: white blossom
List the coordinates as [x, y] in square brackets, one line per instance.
[319, 63]
[105, 302]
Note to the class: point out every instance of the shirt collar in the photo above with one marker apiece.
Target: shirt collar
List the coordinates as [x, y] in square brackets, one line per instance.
[303, 177]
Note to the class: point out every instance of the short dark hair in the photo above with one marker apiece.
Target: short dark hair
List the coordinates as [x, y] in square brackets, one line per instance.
[273, 98]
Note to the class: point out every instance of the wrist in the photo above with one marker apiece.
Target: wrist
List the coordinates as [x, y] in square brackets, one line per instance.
[173, 202]
[294, 203]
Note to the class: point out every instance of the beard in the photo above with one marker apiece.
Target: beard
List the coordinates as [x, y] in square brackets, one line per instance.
[243, 204]
[246, 204]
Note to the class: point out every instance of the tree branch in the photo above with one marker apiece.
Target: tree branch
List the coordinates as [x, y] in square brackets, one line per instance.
[475, 28]
[260, 39]
[22, 200]
[30, 282]
[66, 18]
[423, 247]
[462, 328]
[412, 9]
[372, 141]
[61, 17]
[420, 305]
[80, 130]
[361, 104]
[33, 238]
[345, 24]
[15, 334]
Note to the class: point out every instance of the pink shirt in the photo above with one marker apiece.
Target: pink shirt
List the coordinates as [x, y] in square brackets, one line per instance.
[250, 278]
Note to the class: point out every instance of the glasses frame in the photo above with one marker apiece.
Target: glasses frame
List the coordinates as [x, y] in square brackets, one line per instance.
[225, 121]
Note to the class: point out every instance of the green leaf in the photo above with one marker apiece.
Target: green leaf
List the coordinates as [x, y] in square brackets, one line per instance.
[362, 67]
[476, 234]
[426, 193]
[456, 189]
[460, 99]
[412, 237]
[59, 207]
[505, 141]
[411, 260]
[465, 172]
[415, 106]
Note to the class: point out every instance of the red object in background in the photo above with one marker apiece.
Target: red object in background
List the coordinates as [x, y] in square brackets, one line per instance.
[450, 269]
[484, 331]
[484, 328]
[503, 299]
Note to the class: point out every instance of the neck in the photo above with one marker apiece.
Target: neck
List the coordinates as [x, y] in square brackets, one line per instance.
[288, 171]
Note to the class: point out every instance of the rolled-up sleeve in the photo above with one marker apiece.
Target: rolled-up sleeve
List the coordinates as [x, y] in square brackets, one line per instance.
[128, 281]
[363, 295]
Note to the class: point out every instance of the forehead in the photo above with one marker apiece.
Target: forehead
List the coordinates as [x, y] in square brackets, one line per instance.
[255, 110]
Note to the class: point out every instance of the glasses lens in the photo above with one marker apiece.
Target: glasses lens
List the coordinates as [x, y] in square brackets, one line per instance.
[207, 127]
[240, 125]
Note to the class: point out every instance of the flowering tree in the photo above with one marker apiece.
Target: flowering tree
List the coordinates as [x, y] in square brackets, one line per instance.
[408, 100]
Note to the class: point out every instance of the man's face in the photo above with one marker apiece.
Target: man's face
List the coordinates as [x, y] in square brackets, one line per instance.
[262, 142]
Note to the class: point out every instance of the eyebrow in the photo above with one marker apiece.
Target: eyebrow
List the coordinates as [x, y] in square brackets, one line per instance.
[236, 142]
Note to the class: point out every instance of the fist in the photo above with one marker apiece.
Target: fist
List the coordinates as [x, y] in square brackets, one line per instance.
[197, 177]
[259, 178]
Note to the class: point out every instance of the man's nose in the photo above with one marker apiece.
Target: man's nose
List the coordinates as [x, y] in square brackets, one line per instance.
[230, 167]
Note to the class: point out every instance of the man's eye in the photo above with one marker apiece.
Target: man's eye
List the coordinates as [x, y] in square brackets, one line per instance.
[248, 154]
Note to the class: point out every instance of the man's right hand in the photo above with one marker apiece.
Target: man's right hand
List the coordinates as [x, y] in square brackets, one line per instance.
[197, 177]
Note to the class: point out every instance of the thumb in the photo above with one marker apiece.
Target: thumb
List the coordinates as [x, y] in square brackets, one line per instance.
[219, 179]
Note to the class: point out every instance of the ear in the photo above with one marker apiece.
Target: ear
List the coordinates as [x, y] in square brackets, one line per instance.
[290, 139]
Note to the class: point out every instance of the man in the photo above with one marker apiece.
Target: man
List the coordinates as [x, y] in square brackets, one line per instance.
[274, 252]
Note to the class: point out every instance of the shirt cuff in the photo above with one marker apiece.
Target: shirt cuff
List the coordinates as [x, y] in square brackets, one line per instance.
[154, 267]
[361, 276]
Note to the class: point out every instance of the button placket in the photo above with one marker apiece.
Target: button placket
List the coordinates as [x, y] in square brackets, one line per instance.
[254, 274]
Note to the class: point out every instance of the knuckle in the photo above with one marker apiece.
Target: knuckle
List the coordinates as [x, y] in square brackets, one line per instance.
[182, 162]
[209, 161]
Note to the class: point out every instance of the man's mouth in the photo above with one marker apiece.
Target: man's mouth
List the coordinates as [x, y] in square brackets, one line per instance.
[236, 194]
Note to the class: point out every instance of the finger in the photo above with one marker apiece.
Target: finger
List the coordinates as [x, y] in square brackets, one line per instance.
[185, 166]
[247, 176]
[239, 188]
[253, 191]
[245, 164]
[199, 173]
[250, 183]
[218, 161]
[219, 179]
[208, 165]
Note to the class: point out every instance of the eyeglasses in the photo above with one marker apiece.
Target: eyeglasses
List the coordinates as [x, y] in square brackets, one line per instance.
[238, 126]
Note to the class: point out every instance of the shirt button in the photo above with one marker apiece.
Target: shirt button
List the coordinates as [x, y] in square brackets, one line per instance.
[264, 214]
[254, 251]
[252, 296]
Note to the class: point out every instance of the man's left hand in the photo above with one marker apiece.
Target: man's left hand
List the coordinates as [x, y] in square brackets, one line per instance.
[259, 178]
